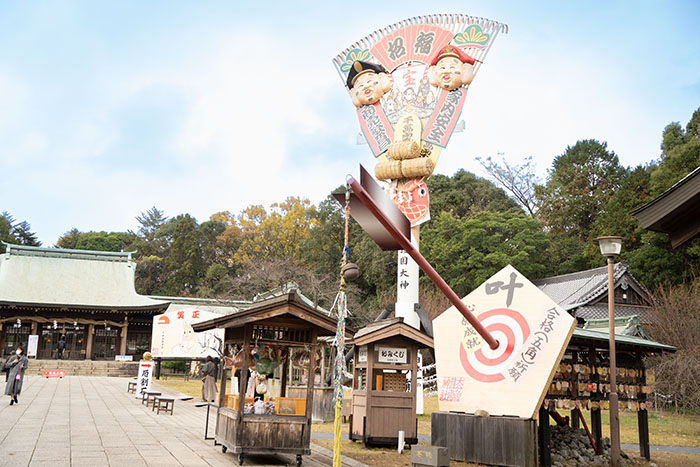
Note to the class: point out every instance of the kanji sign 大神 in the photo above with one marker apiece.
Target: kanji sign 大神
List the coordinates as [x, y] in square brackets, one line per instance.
[532, 332]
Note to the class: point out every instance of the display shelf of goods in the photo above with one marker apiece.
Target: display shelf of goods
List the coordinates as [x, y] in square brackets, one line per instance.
[231, 401]
[290, 406]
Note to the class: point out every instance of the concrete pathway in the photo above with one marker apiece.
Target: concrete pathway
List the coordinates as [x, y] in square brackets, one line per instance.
[92, 421]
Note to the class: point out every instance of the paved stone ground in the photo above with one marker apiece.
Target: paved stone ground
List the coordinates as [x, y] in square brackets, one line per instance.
[92, 421]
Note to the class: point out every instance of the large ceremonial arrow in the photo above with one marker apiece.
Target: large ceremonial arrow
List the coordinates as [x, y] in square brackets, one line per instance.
[389, 228]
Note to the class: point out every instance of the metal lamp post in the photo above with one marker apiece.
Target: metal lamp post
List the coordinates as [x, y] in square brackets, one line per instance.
[610, 247]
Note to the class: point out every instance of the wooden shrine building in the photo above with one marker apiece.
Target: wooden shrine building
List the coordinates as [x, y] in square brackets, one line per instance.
[675, 211]
[85, 298]
[385, 382]
[584, 294]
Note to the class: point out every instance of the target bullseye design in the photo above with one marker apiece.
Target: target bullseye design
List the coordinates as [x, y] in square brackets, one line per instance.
[510, 329]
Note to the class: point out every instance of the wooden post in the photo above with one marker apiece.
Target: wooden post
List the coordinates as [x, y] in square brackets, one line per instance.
[124, 330]
[323, 364]
[543, 431]
[285, 373]
[643, 415]
[414, 377]
[573, 416]
[596, 428]
[222, 386]
[222, 402]
[370, 381]
[612, 396]
[310, 388]
[90, 340]
[573, 419]
[247, 331]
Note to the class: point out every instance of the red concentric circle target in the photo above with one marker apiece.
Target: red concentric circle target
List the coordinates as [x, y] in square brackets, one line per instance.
[510, 329]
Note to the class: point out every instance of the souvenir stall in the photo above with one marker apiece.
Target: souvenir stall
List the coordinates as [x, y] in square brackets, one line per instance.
[267, 338]
[384, 392]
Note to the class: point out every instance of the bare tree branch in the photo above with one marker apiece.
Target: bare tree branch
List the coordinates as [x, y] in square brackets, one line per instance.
[518, 180]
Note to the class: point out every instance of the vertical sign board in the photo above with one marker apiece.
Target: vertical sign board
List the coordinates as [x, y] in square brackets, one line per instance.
[419, 385]
[143, 382]
[32, 345]
[362, 354]
[532, 331]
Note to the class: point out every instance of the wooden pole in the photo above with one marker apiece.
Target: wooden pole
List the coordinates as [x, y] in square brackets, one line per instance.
[285, 373]
[247, 330]
[614, 411]
[124, 330]
[596, 427]
[643, 415]
[310, 388]
[323, 364]
[90, 340]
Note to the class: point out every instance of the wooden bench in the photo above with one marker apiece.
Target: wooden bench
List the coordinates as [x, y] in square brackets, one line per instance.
[166, 404]
[149, 397]
[132, 387]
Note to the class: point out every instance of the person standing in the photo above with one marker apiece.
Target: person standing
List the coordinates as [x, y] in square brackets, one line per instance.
[17, 365]
[209, 380]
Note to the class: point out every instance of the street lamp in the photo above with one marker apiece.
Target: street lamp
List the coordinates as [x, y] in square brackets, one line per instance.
[610, 247]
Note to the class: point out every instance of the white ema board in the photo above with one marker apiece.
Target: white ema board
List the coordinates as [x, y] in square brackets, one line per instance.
[532, 331]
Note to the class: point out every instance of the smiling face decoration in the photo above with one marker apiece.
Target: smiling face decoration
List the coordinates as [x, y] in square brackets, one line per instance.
[367, 83]
[451, 68]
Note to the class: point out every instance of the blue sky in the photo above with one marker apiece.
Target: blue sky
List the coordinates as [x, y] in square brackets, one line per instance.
[109, 108]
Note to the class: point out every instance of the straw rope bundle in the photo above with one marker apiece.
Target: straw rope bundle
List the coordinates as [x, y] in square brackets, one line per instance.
[397, 170]
[417, 168]
[388, 170]
[402, 150]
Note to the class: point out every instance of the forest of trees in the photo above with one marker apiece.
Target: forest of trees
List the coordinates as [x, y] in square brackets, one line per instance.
[542, 228]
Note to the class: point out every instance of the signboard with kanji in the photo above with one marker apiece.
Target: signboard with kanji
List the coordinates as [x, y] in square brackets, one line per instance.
[144, 377]
[173, 335]
[32, 345]
[392, 354]
[532, 332]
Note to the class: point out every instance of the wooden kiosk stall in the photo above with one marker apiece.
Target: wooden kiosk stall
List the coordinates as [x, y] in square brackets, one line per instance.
[384, 392]
[290, 326]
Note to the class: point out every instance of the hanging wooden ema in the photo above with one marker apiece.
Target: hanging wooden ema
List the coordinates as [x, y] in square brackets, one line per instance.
[532, 333]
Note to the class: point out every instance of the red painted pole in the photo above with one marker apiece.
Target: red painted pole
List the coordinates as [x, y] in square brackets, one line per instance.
[413, 252]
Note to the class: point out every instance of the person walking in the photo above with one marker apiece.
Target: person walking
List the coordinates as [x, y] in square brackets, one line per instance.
[61, 347]
[16, 364]
[209, 380]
